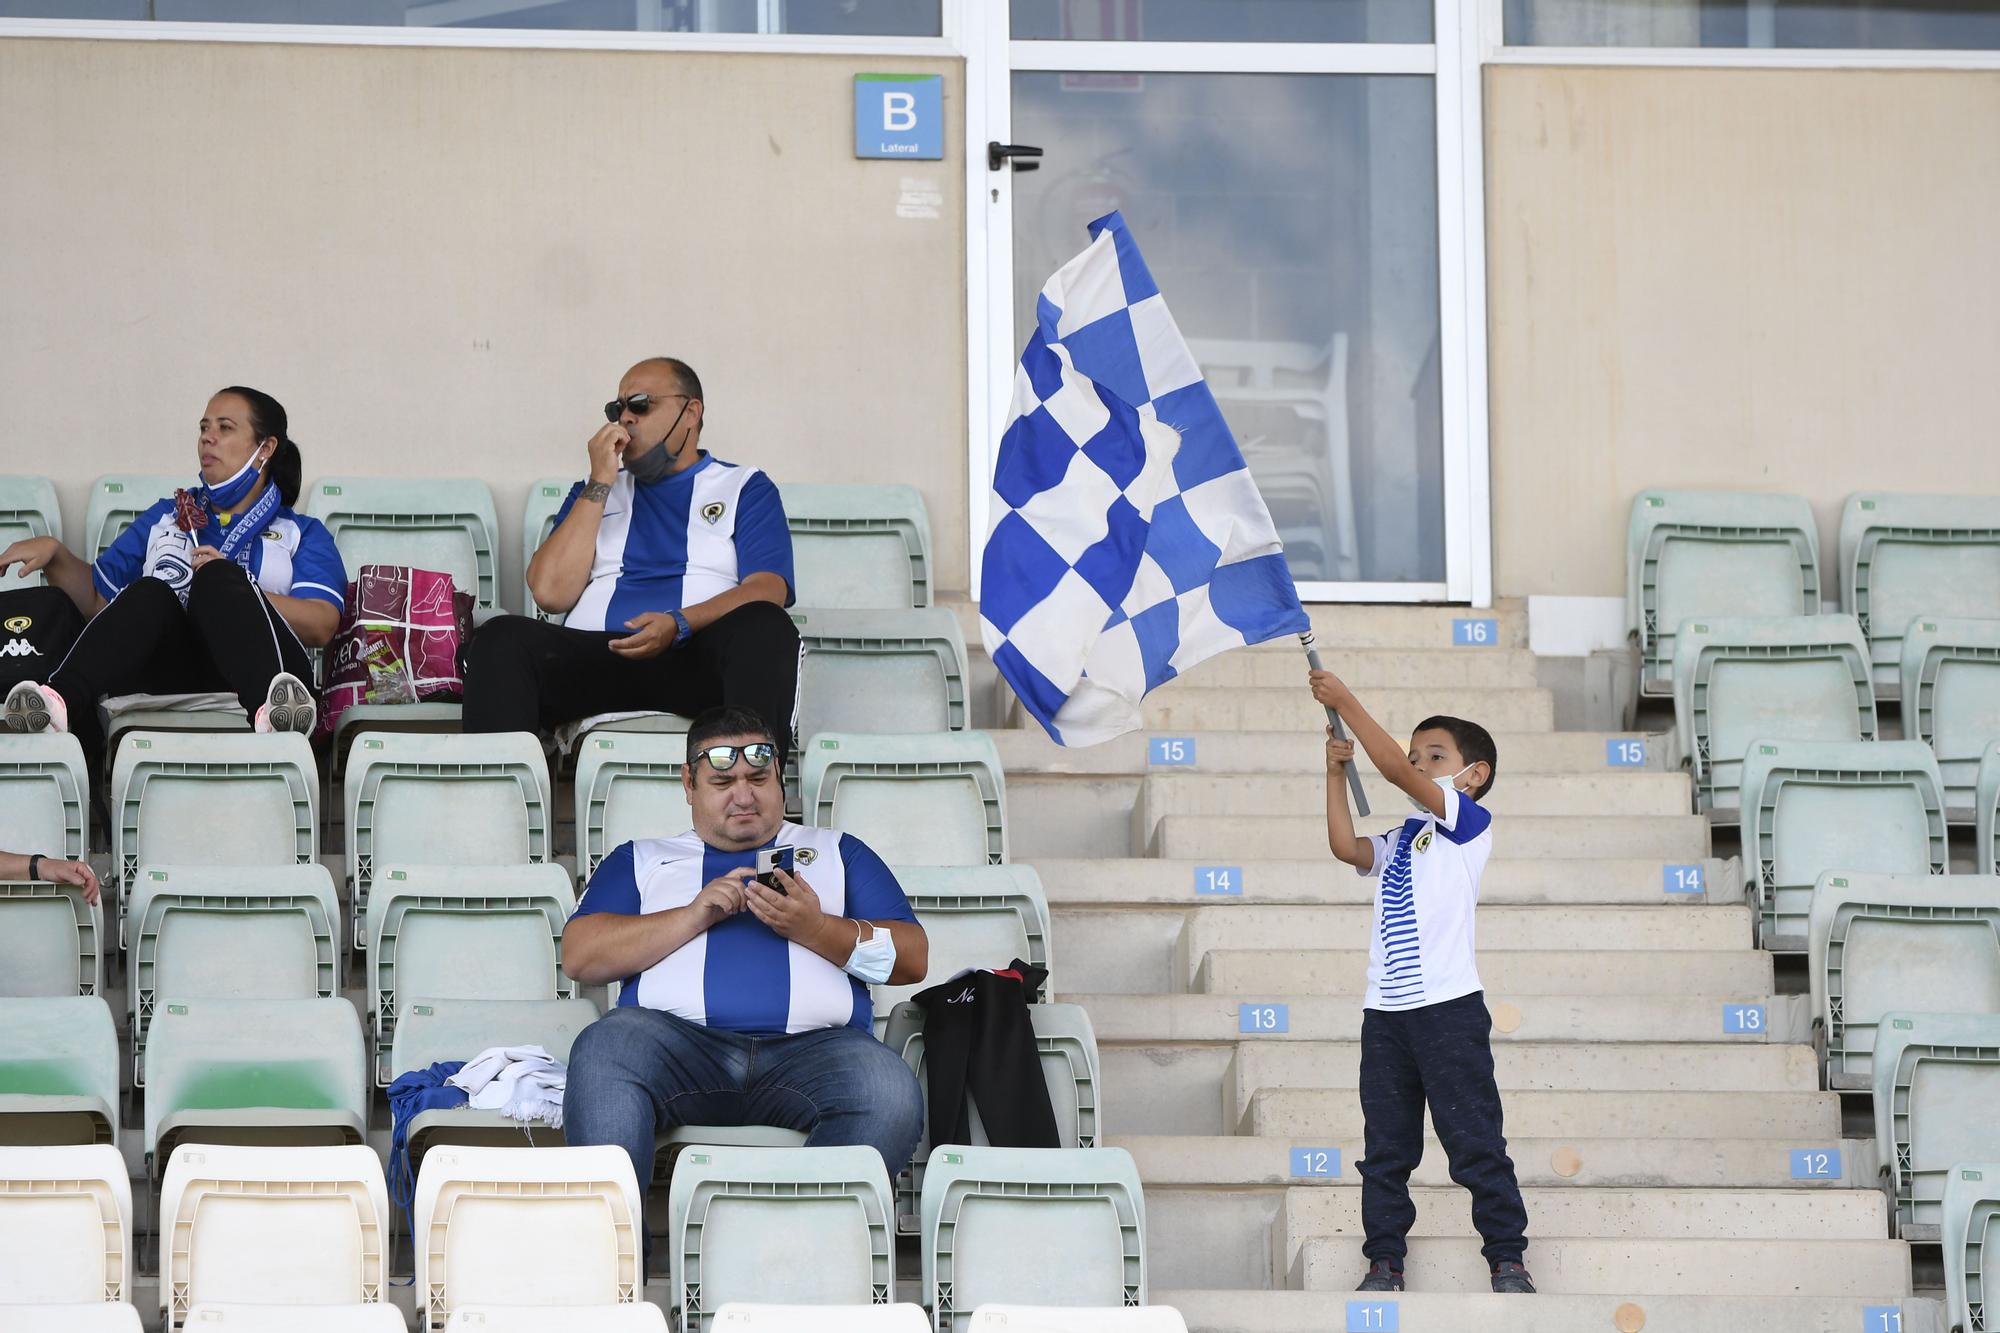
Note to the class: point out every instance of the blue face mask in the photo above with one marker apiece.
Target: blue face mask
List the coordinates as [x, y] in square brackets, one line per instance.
[228, 494]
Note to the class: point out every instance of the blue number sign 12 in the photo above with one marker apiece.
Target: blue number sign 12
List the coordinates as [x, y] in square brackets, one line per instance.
[1816, 1164]
[1315, 1163]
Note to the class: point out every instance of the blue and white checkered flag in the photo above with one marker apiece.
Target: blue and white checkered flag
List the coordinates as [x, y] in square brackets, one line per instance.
[1128, 541]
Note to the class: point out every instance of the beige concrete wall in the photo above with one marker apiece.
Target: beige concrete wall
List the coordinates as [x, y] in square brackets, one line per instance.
[442, 260]
[1765, 280]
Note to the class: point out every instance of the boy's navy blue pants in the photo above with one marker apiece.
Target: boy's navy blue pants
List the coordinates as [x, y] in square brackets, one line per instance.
[1442, 1054]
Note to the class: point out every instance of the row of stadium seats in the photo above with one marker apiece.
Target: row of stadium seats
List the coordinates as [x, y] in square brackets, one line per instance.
[1715, 555]
[853, 546]
[501, 1228]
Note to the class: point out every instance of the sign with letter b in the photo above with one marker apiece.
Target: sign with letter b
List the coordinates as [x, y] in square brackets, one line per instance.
[899, 115]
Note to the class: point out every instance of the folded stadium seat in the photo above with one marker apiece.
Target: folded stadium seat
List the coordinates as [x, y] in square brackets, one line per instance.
[28, 508]
[1915, 943]
[639, 1317]
[287, 1072]
[538, 519]
[1788, 678]
[1867, 807]
[628, 785]
[932, 800]
[44, 793]
[236, 800]
[1971, 1245]
[782, 1226]
[1709, 555]
[463, 933]
[1068, 1047]
[99, 1317]
[1987, 843]
[741, 1317]
[1951, 699]
[973, 916]
[412, 799]
[230, 933]
[430, 1031]
[374, 1317]
[58, 1071]
[1908, 556]
[119, 497]
[859, 547]
[243, 1225]
[881, 671]
[65, 1227]
[51, 940]
[525, 1226]
[1031, 1226]
[1069, 1319]
[1936, 1082]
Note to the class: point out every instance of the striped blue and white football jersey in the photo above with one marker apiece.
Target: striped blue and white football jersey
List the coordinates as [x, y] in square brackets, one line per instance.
[680, 540]
[1421, 951]
[295, 556]
[740, 975]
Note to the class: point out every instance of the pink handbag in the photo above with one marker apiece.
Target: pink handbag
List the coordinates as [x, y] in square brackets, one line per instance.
[398, 642]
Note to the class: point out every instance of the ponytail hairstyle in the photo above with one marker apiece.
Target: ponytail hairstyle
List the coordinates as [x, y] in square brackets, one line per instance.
[284, 469]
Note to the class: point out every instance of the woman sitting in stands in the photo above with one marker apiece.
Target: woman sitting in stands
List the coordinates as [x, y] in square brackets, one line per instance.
[220, 587]
[15, 869]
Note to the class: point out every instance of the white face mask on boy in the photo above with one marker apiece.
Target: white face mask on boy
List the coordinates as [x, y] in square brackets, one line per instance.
[1445, 784]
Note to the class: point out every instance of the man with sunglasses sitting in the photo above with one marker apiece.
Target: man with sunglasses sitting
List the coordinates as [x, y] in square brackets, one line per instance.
[741, 1004]
[673, 568]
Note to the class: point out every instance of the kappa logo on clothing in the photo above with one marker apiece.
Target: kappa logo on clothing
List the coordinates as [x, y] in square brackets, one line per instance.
[19, 648]
[1423, 843]
[19, 624]
[805, 856]
[713, 511]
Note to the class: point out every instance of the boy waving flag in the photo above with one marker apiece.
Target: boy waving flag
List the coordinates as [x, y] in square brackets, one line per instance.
[1128, 540]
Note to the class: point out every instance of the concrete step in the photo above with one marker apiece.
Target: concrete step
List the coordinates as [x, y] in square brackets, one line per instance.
[1151, 882]
[1873, 1269]
[1801, 1117]
[1675, 838]
[1212, 1311]
[1155, 1019]
[1249, 972]
[1302, 750]
[1373, 668]
[1549, 794]
[1348, 626]
[1179, 707]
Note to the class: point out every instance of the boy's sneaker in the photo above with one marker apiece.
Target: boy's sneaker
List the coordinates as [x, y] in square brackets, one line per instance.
[1512, 1279]
[287, 707]
[1383, 1277]
[32, 707]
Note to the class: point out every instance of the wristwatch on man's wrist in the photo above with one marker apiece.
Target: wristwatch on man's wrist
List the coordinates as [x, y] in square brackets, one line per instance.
[595, 490]
[684, 631]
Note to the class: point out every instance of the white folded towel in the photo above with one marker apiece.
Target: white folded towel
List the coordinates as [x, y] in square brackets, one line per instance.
[523, 1083]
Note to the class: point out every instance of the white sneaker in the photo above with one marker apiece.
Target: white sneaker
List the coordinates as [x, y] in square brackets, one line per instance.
[32, 707]
[288, 707]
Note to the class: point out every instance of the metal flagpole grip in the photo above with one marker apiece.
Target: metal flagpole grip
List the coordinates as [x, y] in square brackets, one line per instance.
[1306, 641]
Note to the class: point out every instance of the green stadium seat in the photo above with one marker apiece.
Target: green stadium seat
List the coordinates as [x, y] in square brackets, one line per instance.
[264, 1072]
[937, 799]
[1951, 700]
[101, 1317]
[378, 1317]
[742, 1317]
[1031, 1226]
[1987, 813]
[1793, 678]
[521, 1226]
[973, 916]
[234, 800]
[445, 524]
[51, 940]
[1905, 557]
[628, 785]
[1936, 1081]
[1910, 942]
[229, 933]
[263, 1226]
[65, 1227]
[119, 497]
[1070, 1319]
[58, 1071]
[1971, 1233]
[641, 1317]
[28, 508]
[431, 1030]
[859, 547]
[1068, 1047]
[1866, 807]
[881, 671]
[196, 713]
[538, 520]
[463, 933]
[412, 799]
[787, 1226]
[44, 793]
[1698, 555]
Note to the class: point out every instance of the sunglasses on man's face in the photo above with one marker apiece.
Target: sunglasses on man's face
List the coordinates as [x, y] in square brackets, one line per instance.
[640, 403]
[722, 758]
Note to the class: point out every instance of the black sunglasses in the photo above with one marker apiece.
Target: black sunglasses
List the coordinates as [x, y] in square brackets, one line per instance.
[722, 758]
[640, 403]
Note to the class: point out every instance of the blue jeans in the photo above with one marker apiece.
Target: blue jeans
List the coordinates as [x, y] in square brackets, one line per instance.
[636, 1072]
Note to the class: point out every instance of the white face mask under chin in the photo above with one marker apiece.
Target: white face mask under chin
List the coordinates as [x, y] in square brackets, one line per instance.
[1445, 784]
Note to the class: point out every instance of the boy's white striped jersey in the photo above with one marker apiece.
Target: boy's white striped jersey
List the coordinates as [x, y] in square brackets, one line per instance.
[1421, 951]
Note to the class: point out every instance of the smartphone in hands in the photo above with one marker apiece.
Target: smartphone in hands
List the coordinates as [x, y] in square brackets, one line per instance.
[774, 858]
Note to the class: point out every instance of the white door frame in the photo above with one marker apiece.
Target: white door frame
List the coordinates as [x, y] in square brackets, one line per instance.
[982, 28]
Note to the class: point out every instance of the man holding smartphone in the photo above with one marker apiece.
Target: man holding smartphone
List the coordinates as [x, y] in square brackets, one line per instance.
[741, 1003]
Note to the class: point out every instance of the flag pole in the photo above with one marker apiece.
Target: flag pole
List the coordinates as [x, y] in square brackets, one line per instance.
[1307, 642]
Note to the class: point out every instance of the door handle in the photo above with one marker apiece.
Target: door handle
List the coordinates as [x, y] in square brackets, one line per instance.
[1022, 155]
